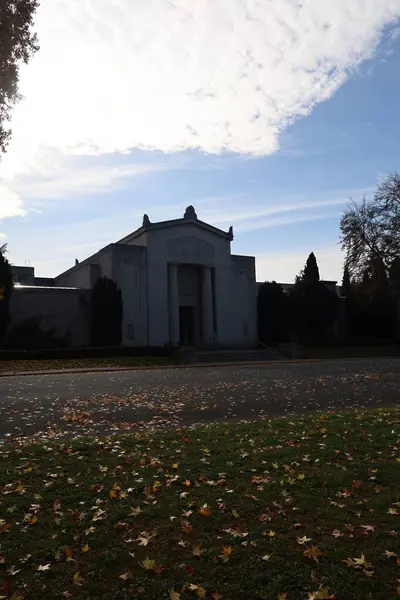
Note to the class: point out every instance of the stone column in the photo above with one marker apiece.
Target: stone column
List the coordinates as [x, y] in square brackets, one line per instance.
[207, 306]
[173, 305]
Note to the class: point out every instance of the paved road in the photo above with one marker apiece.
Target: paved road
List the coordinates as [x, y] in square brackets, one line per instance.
[79, 404]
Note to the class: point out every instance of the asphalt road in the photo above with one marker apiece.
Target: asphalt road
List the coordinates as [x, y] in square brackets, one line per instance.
[47, 406]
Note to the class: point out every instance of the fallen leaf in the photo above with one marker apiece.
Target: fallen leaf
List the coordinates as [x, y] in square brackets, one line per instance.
[44, 567]
[205, 511]
[303, 540]
[197, 551]
[68, 553]
[313, 552]
[174, 595]
[226, 553]
[135, 511]
[77, 579]
[148, 564]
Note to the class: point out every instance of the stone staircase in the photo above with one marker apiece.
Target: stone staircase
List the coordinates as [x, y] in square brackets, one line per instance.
[241, 355]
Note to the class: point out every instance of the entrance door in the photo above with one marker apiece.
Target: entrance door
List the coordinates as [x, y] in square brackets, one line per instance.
[187, 325]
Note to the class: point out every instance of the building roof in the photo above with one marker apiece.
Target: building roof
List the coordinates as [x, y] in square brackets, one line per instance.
[189, 216]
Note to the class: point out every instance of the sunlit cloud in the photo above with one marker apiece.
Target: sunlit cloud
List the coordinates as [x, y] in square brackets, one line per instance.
[178, 74]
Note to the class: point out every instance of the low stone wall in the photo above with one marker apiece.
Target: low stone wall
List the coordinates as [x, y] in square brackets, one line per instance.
[66, 310]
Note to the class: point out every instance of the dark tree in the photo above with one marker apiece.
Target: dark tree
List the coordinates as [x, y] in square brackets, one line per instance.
[394, 276]
[17, 44]
[272, 313]
[106, 313]
[346, 283]
[370, 230]
[6, 286]
[312, 306]
[310, 273]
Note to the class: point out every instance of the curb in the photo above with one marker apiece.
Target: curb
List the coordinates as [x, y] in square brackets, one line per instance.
[188, 366]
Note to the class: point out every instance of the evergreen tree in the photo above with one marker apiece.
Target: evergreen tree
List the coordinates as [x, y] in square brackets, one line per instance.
[272, 313]
[310, 274]
[6, 286]
[312, 306]
[346, 283]
[106, 313]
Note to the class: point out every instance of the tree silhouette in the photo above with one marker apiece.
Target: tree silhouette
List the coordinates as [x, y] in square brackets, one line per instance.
[346, 283]
[17, 44]
[311, 270]
[106, 313]
[6, 286]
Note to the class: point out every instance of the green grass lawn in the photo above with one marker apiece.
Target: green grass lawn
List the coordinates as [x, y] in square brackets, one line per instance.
[284, 509]
[18, 366]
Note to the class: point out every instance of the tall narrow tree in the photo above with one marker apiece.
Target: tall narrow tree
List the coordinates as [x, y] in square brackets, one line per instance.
[6, 286]
[346, 283]
[311, 270]
[106, 313]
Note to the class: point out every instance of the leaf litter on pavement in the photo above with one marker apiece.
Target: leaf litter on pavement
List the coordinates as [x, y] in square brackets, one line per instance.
[293, 508]
[104, 403]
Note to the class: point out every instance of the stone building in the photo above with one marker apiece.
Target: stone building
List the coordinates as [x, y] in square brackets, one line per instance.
[180, 285]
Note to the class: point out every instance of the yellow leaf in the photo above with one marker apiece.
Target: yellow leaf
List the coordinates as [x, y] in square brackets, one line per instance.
[271, 533]
[362, 561]
[322, 594]
[282, 596]
[174, 595]
[85, 548]
[197, 551]
[266, 557]
[235, 514]
[205, 511]
[78, 580]
[148, 564]
[303, 540]
[226, 553]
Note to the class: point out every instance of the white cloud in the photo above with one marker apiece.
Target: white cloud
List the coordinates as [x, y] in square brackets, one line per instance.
[245, 220]
[10, 202]
[178, 74]
[69, 180]
[284, 266]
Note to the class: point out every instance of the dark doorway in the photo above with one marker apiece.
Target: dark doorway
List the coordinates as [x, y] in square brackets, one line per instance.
[187, 325]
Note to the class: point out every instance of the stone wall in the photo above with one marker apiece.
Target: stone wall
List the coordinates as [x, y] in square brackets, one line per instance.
[64, 310]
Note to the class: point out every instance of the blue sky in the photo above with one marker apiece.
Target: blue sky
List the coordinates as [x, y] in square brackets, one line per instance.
[282, 185]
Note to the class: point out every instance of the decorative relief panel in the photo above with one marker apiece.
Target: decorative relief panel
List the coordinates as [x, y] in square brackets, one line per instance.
[190, 246]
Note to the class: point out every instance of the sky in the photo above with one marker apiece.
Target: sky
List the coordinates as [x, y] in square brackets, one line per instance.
[268, 115]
